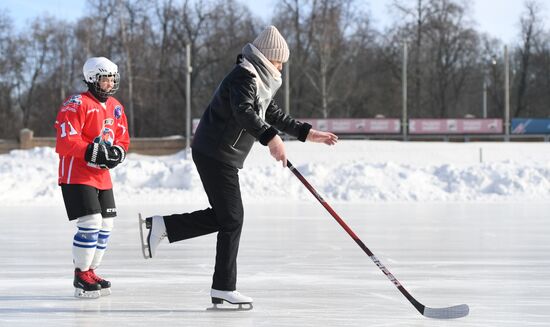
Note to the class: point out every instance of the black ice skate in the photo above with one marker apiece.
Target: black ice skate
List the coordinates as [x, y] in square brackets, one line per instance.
[237, 300]
[85, 286]
[105, 284]
[157, 232]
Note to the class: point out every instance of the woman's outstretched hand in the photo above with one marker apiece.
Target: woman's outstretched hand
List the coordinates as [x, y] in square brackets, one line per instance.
[322, 137]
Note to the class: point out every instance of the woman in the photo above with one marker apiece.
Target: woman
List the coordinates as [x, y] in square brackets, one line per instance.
[240, 112]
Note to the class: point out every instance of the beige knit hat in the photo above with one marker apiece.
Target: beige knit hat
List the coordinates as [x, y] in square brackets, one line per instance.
[272, 44]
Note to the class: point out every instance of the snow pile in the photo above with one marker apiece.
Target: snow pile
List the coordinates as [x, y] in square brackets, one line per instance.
[366, 171]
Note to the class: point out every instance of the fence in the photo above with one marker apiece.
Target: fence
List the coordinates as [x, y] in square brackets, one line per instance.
[449, 130]
[148, 146]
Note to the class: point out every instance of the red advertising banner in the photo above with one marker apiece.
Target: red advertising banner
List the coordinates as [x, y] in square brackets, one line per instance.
[356, 125]
[455, 126]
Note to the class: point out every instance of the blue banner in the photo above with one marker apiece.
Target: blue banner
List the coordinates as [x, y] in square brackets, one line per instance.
[530, 126]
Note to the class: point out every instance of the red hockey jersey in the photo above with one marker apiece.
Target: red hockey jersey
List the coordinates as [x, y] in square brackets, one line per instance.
[81, 120]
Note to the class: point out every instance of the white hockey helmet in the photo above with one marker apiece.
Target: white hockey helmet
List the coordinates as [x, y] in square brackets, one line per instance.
[96, 67]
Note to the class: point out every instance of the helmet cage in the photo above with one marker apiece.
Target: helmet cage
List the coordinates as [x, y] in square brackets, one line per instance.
[97, 88]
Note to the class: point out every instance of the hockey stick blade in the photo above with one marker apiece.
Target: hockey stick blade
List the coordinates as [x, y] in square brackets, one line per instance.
[453, 312]
[456, 311]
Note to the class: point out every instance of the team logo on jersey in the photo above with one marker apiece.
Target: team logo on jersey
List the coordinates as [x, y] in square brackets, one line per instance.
[107, 137]
[118, 112]
[73, 99]
[68, 109]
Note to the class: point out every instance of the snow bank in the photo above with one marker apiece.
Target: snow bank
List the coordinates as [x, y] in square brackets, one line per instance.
[356, 171]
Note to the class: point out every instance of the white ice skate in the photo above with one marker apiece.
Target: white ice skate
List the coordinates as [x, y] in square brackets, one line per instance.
[239, 301]
[157, 232]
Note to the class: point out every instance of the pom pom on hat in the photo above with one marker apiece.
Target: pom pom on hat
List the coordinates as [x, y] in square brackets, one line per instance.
[272, 44]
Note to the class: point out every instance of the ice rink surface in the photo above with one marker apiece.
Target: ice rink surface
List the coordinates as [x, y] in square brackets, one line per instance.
[298, 264]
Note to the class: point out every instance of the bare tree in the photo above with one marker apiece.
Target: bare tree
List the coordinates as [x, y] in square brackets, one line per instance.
[491, 65]
[531, 31]
[416, 16]
[10, 71]
[319, 34]
[539, 97]
[363, 87]
[130, 15]
[297, 34]
[445, 48]
[38, 48]
[340, 66]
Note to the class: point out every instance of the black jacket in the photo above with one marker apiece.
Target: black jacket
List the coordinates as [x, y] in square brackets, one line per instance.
[230, 124]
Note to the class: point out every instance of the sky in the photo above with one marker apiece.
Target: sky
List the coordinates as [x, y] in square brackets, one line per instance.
[353, 171]
[500, 21]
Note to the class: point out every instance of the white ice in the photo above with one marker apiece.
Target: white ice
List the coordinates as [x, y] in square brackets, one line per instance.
[450, 228]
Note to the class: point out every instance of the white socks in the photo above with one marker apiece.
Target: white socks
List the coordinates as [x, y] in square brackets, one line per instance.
[90, 241]
[103, 237]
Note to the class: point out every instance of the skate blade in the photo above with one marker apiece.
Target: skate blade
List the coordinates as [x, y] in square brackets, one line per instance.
[143, 235]
[82, 294]
[105, 291]
[228, 306]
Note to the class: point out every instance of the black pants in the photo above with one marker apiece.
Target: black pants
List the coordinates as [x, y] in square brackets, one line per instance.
[221, 183]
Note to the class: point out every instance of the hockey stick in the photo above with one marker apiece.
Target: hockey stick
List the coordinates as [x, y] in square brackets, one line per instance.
[456, 311]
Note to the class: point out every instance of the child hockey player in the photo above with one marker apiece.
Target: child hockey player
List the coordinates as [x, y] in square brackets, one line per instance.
[92, 137]
[240, 112]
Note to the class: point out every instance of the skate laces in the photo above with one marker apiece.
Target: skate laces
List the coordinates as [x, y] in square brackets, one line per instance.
[87, 276]
[93, 276]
